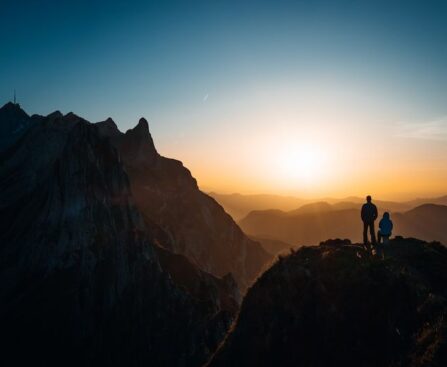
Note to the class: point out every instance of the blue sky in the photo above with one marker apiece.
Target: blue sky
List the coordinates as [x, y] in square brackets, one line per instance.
[205, 69]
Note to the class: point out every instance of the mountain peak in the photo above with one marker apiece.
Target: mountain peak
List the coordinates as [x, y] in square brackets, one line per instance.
[9, 106]
[138, 144]
[140, 130]
[14, 122]
[143, 121]
[12, 108]
[108, 128]
[55, 115]
[72, 117]
[142, 126]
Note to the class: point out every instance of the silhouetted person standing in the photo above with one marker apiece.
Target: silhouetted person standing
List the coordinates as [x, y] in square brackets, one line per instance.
[369, 215]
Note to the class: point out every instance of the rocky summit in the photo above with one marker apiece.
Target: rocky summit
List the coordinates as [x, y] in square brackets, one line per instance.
[335, 305]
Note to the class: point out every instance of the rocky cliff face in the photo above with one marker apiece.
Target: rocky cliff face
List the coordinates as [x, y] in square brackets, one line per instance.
[167, 195]
[333, 305]
[82, 280]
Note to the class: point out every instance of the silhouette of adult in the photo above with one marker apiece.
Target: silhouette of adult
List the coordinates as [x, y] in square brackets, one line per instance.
[369, 215]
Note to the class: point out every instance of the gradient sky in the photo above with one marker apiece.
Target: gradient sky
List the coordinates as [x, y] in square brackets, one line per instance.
[310, 98]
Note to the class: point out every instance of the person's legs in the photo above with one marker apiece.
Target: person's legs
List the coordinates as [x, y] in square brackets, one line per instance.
[365, 233]
[385, 239]
[373, 233]
[379, 237]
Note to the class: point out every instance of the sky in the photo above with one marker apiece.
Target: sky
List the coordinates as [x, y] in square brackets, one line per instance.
[304, 98]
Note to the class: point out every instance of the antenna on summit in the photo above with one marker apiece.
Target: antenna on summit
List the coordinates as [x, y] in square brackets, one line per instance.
[15, 99]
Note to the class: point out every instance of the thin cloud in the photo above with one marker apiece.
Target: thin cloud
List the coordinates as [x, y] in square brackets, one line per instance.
[427, 130]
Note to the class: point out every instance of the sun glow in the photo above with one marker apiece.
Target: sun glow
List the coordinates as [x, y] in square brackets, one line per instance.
[304, 162]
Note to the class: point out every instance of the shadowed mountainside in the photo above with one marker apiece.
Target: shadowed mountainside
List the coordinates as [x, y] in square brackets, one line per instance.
[82, 277]
[333, 305]
[195, 224]
[314, 223]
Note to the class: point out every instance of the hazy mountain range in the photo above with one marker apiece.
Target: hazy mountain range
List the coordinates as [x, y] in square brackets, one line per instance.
[313, 223]
[239, 205]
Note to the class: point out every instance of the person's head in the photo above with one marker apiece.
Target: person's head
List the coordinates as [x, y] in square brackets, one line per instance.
[386, 215]
[368, 198]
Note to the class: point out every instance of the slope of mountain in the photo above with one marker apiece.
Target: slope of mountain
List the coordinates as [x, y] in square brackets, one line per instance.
[82, 281]
[312, 224]
[272, 246]
[317, 207]
[428, 221]
[442, 200]
[333, 305]
[167, 195]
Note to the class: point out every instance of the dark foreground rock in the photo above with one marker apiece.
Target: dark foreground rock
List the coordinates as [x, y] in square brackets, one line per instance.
[333, 305]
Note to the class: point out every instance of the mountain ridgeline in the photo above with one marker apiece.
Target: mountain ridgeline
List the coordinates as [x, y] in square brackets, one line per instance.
[110, 255]
[239, 205]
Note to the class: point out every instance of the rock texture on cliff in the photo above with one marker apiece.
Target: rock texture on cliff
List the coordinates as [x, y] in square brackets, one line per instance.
[197, 226]
[333, 305]
[82, 280]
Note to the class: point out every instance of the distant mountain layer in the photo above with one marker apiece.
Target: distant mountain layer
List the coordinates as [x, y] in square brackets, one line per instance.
[92, 275]
[334, 305]
[314, 223]
[238, 205]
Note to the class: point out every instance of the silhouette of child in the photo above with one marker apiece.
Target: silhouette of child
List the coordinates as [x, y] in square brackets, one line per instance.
[385, 228]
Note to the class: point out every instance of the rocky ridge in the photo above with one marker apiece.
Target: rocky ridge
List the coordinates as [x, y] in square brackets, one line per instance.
[334, 305]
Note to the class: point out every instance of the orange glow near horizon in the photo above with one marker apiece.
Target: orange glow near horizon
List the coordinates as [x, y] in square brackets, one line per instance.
[314, 155]
[305, 98]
